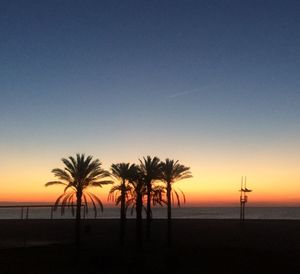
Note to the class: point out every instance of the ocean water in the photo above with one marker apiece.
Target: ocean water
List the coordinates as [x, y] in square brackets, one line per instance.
[287, 213]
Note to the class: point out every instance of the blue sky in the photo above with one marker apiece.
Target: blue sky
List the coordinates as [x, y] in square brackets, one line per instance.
[158, 77]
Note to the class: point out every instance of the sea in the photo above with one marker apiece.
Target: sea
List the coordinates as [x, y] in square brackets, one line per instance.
[28, 212]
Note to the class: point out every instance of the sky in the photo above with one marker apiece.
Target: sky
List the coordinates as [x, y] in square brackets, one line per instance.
[214, 84]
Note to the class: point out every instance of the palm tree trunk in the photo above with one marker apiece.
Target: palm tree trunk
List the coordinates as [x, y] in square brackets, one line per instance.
[169, 220]
[78, 218]
[123, 213]
[148, 231]
[139, 222]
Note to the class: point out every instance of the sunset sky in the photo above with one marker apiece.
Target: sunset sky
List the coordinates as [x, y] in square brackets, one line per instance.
[214, 84]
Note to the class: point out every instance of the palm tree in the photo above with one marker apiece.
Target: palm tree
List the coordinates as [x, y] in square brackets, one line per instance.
[151, 171]
[172, 171]
[138, 190]
[119, 193]
[136, 201]
[78, 174]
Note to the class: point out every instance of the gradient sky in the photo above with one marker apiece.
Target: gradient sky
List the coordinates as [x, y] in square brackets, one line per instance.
[214, 84]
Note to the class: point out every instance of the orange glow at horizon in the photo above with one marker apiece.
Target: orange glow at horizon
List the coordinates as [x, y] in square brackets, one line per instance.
[210, 194]
[216, 178]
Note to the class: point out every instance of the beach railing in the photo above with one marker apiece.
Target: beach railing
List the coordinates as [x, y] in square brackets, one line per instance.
[24, 214]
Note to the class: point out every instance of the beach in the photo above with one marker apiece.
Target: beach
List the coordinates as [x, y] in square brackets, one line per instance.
[199, 246]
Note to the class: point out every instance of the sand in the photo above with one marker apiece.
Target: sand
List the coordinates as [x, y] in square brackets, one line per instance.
[199, 246]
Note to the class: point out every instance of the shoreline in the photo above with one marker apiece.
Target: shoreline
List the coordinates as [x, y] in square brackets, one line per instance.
[277, 213]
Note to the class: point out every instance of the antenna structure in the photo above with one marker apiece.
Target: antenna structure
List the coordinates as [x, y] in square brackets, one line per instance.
[243, 197]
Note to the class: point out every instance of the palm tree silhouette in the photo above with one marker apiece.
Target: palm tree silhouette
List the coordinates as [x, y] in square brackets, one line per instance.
[151, 171]
[78, 174]
[136, 201]
[119, 193]
[172, 171]
[138, 191]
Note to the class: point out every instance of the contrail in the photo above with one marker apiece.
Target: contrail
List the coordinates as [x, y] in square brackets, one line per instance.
[182, 93]
[194, 90]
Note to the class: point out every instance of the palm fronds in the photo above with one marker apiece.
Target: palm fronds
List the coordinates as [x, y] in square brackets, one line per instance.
[173, 171]
[79, 173]
[55, 183]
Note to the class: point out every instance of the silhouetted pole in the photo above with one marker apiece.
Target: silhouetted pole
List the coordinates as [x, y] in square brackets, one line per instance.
[241, 200]
[243, 197]
[84, 212]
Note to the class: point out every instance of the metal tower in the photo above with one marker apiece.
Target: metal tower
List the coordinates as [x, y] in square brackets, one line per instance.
[243, 197]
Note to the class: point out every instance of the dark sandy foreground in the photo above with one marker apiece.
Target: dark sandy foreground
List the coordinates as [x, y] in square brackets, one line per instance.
[200, 246]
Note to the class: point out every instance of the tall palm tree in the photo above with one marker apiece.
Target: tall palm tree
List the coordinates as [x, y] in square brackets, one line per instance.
[136, 200]
[78, 174]
[119, 193]
[138, 190]
[172, 172]
[151, 171]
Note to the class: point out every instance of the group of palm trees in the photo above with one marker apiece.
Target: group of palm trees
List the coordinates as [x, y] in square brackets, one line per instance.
[150, 182]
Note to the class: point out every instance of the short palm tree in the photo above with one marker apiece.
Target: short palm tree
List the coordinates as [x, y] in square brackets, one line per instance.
[119, 193]
[151, 171]
[78, 175]
[172, 171]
